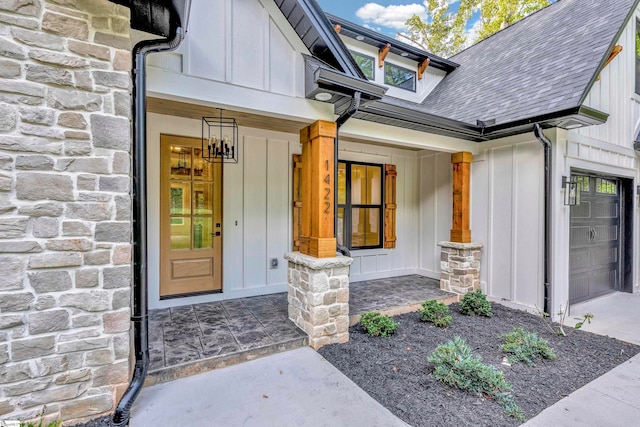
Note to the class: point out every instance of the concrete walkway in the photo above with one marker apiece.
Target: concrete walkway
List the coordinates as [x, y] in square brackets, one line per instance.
[613, 399]
[292, 389]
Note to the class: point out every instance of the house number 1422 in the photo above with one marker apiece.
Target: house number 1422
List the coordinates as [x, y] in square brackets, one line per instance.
[327, 190]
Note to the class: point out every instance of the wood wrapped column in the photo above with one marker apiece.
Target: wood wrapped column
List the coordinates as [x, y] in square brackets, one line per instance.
[317, 237]
[460, 232]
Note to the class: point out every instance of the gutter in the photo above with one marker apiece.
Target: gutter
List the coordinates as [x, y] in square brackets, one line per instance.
[537, 130]
[140, 310]
[346, 115]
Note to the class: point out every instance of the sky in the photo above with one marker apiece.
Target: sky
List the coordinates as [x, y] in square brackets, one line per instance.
[385, 16]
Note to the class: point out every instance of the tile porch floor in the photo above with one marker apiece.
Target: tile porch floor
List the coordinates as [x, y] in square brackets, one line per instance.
[194, 338]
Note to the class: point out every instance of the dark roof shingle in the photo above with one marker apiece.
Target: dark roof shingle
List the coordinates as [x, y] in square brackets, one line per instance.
[541, 64]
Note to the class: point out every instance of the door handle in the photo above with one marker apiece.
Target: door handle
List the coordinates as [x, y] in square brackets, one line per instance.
[217, 233]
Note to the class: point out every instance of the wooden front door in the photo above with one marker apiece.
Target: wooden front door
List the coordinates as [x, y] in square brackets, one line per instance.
[190, 219]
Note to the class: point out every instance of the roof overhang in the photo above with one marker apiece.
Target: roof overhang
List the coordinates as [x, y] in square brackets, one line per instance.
[158, 16]
[322, 80]
[370, 37]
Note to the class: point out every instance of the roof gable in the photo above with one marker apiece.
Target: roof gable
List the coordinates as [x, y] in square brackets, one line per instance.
[543, 63]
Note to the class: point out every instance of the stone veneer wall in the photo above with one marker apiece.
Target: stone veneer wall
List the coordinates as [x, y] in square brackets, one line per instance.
[460, 267]
[65, 230]
[319, 297]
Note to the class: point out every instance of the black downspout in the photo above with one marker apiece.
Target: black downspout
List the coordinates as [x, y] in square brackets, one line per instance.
[346, 115]
[139, 316]
[537, 130]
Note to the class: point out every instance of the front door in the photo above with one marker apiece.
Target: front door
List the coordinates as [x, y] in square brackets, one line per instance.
[190, 219]
[595, 239]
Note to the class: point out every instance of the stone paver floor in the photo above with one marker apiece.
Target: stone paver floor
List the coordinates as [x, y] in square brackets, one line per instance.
[381, 294]
[190, 333]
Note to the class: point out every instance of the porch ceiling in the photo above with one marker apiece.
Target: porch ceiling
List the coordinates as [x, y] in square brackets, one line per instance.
[196, 112]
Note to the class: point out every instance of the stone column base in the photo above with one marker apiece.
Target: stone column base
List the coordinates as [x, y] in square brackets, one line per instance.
[319, 297]
[460, 267]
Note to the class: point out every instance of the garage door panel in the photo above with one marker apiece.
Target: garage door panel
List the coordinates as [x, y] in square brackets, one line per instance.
[595, 239]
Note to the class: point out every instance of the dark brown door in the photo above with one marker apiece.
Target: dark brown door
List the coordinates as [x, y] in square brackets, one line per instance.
[595, 239]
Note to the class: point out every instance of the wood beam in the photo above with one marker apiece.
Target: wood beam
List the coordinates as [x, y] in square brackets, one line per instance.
[614, 52]
[317, 237]
[460, 232]
[382, 54]
[422, 67]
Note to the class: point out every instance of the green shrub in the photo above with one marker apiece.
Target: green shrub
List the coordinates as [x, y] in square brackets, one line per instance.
[457, 367]
[377, 324]
[523, 346]
[435, 312]
[475, 304]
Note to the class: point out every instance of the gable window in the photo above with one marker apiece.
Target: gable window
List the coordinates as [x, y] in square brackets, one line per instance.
[397, 76]
[365, 63]
[638, 58]
[360, 207]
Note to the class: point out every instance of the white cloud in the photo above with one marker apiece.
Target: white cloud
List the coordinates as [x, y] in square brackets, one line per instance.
[392, 16]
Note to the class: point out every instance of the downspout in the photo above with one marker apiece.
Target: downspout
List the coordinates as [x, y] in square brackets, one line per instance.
[346, 115]
[537, 130]
[139, 316]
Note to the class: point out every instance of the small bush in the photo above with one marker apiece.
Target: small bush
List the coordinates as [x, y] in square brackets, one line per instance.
[435, 312]
[523, 346]
[377, 324]
[475, 304]
[457, 367]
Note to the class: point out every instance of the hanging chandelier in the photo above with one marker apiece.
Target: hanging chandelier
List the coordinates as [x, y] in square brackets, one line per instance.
[220, 139]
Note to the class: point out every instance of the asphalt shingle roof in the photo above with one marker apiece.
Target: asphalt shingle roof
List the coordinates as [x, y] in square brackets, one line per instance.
[541, 64]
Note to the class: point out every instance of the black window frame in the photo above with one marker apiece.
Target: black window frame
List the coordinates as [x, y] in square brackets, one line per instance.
[373, 63]
[415, 76]
[348, 206]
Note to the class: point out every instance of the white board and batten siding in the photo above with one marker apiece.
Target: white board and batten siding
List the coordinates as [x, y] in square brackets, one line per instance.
[403, 259]
[257, 212]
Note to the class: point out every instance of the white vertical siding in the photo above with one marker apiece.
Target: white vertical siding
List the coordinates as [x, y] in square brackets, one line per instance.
[245, 43]
[435, 210]
[615, 94]
[403, 259]
[507, 217]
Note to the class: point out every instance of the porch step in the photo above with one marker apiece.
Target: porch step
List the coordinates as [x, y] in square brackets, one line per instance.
[195, 367]
[403, 309]
[395, 296]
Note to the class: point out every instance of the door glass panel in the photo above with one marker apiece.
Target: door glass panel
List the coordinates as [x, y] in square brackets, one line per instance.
[342, 183]
[180, 162]
[202, 229]
[180, 198]
[365, 224]
[180, 233]
[202, 200]
[201, 169]
[340, 231]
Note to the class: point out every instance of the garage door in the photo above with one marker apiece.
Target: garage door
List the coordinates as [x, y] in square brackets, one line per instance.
[595, 239]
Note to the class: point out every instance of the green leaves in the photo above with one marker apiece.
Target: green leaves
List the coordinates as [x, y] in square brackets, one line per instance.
[475, 304]
[456, 366]
[435, 312]
[523, 346]
[376, 324]
[445, 32]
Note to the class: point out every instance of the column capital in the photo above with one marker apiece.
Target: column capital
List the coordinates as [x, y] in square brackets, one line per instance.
[461, 157]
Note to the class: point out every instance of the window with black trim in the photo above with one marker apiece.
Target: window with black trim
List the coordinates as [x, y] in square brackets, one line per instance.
[398, 76]
[365, 63]
[360, 205]
[638, 57]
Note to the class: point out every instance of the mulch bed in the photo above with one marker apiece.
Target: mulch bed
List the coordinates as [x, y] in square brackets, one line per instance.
[395, 371]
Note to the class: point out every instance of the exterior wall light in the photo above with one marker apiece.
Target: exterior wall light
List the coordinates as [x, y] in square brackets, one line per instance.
[323, 96]
[571, 191]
